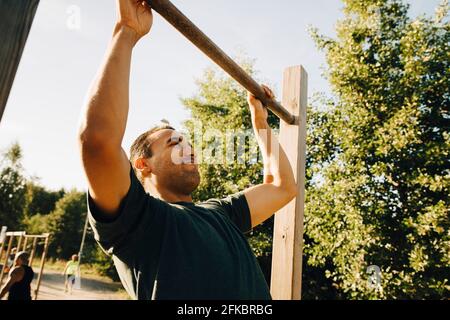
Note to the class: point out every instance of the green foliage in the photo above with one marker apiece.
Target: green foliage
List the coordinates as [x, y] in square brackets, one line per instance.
[37, 224]
[377, 169]
[12, 188]
[65, 224]
[26, 205]
[39, 200]
[104, 264]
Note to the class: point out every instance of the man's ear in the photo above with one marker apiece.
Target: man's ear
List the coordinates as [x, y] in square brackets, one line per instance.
[143, 166]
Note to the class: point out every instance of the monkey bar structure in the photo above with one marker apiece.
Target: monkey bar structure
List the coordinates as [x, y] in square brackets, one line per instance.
[16, 18]
[24, 242]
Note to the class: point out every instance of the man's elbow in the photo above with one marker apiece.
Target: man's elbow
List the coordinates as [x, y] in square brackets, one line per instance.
[291, 191]
[88, 139]
[94, 140]
[287, 191]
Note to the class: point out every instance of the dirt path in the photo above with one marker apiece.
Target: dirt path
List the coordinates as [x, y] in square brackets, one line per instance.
[52, 288]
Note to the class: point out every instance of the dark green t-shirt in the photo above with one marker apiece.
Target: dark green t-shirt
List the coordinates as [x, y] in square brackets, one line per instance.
[194, 251]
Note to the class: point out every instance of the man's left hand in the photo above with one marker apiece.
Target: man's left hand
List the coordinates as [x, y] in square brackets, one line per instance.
[258, 111]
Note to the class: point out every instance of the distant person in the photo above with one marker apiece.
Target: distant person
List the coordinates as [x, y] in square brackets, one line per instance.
[70, 272]
[19, 281]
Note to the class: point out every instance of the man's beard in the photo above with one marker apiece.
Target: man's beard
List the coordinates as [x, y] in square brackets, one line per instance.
[183, 182]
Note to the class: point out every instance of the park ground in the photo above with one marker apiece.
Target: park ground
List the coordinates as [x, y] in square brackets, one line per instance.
[93, 286]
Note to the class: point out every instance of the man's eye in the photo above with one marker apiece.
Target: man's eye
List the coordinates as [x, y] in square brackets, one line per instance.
[174, 140]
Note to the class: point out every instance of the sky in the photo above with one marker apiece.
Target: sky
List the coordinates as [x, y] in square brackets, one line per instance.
[68, 41]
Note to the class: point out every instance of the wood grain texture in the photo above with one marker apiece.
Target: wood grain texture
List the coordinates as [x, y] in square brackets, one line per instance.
[16, 18]
[286, 280]
[177, 19]
[5, 262]
[41, 267]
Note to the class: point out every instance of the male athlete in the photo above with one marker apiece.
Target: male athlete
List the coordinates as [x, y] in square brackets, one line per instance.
[163, 245]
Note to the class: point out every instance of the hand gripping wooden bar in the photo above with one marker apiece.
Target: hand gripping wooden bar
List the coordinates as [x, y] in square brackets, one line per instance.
[177, 19]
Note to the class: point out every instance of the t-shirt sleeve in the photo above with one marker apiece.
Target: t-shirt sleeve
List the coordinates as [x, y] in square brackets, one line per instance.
[114, 233]
[235, 206]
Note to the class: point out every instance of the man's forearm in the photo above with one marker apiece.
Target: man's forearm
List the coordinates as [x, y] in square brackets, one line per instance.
[3, 291]
[277, 168]
[107, 107]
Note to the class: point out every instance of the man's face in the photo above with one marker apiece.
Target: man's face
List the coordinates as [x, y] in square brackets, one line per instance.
[18, 261]
[173, 162]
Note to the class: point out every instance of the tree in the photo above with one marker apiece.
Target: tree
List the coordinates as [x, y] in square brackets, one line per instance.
[26, 205]
[40, 200]
[65, 224]
[12, 188]
[219, 111]
[103, 263]
[377, 166]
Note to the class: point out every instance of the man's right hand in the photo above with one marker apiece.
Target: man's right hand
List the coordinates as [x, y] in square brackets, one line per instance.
[135, 15]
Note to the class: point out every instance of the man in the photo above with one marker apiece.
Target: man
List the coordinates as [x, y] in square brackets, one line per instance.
[19, 279]
[163, 245]
[70, 272]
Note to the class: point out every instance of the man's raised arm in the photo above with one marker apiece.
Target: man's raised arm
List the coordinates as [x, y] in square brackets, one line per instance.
[104, 120]
[279, 186]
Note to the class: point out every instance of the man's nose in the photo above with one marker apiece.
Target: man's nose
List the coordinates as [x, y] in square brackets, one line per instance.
[187, 149]
[186, 145]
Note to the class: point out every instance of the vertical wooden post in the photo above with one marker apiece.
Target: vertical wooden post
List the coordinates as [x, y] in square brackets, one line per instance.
[44, 254]
[8, 251]
[24, 248]
[1, 248]
[20, 236]
[19, 243]
[33, 251]
[286, 280]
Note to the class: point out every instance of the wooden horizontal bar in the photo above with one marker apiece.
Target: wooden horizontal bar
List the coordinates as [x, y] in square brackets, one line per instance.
[43, 236]
[177, 19]
[15, 233]
[23, 233]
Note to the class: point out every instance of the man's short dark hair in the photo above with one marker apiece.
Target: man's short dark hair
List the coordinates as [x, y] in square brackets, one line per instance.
[24, 256]
[141, 146]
